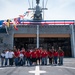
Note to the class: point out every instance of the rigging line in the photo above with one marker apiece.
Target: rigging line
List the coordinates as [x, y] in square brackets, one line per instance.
[32, 3]
[29, 3]
[46, 3]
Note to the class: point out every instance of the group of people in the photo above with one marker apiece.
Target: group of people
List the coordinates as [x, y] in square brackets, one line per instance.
[37, 56]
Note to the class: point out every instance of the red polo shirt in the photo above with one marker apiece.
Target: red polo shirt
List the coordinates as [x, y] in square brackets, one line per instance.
[50, 54]
[61, 54]
[39, 52]
[28, 54]
[16, 53]
[55, 54]
[44, 54]
[34, 54]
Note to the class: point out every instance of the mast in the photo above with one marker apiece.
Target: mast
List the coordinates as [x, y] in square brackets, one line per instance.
[38, 17]
[43, 7]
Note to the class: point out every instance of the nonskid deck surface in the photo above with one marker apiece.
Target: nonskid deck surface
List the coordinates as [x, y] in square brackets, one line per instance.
[68, 68]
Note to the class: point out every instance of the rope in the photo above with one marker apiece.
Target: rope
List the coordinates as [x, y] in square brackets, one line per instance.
[29, 3]
[32, 3]
[46, 3]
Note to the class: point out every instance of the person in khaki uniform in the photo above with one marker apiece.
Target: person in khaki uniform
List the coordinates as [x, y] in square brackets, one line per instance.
[61, 55]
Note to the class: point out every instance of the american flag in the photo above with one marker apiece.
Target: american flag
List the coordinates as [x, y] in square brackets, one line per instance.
[17, 20]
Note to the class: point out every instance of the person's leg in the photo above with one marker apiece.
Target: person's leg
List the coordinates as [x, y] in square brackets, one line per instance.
[59, 60]
[39, 61]
[11, 61]
[16, 61]
[45, 60]
[30, 61]
[24, 60]
[42, 61]
[62, 60]
[49, 61]
[2, 61]
[55, 58]
[6, 61]
[27, 61]
[34, 61]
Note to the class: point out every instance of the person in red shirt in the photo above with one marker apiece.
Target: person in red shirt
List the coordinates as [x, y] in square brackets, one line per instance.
[44, 57]
[50, 55]
[61, 55]
[55, 54]
[16, 53]
[24, 53]
[39, 52]
[34, 57]
[16, 56]
[28, 55]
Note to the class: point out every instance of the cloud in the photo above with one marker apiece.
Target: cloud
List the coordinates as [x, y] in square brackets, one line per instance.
[57, 9]
[61, 9]
[11, 10]
[64, 3]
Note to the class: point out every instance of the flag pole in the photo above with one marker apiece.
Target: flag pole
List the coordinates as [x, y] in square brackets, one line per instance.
[43, 10]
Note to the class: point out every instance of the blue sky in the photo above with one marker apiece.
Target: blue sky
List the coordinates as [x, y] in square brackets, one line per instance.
[57, 9]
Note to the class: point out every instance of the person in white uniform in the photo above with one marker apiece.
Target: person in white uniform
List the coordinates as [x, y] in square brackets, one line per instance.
[6, 57]
[11, 56]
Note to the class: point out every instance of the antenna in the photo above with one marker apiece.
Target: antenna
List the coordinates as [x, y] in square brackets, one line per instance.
[46, 3]
[29, 3]
[37, 2]
[32, 3]
[38, 10]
